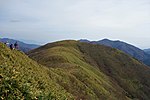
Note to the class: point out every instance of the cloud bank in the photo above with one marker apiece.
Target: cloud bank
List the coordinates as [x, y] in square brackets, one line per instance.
[51, 20]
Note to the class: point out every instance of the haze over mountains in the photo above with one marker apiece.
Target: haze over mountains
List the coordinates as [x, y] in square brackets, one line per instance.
[135, 52]
[147, 51]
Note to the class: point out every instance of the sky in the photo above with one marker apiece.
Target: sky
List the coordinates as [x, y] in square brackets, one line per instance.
[43, 21]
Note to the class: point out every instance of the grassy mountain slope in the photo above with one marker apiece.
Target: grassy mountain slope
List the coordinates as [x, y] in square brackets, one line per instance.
[23, 78]
[135, 52]
[95, 72]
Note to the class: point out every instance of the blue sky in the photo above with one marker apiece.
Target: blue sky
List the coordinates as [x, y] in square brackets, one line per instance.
[51, 20]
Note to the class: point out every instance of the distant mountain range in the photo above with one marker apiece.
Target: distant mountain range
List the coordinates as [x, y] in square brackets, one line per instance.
[135, 52]
[22, 46]
[147, 51]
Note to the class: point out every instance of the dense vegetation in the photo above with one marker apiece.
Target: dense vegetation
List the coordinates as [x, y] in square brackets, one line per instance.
[93, 72]
[23, 78]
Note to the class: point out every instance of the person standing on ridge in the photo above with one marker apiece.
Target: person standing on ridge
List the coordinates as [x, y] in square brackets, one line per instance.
[11, 46]
[16, 45]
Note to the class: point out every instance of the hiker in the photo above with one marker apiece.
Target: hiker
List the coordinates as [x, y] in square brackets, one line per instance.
[16, 45]
[11, 46]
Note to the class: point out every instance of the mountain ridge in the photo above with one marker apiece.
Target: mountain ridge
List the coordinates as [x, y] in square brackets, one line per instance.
[119, 76]
[125, 47]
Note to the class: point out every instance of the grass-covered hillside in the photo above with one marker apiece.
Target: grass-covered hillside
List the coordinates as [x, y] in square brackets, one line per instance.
[23, 79]
[135, 52]
[94, 72]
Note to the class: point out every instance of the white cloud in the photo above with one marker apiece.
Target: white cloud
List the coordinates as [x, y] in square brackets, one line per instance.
[75, 19]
